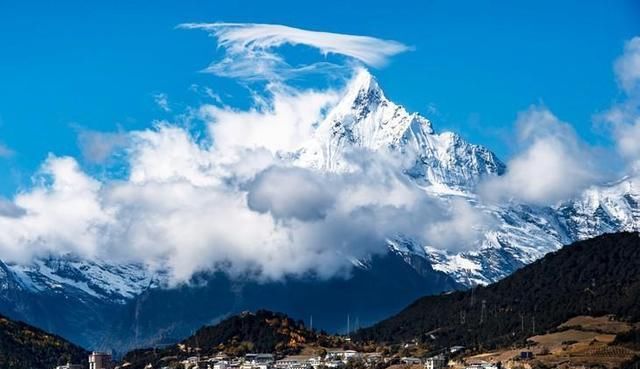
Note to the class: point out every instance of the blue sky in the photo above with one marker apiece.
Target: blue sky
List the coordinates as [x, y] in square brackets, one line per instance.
[474, 66]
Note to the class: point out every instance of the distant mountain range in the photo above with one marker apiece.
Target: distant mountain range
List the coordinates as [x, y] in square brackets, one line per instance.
[99, 305]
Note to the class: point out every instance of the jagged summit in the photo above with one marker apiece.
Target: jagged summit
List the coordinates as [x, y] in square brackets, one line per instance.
[365, 119]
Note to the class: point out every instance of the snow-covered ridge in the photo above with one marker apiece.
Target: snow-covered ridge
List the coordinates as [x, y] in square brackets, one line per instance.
[98, 279]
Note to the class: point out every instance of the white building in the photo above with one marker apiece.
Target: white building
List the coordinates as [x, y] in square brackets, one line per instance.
[294, 362]
[100, 360]
[342, 355]
[456, 349]
[221, 364]
[481, 365]
[435, 362]
[411, 361]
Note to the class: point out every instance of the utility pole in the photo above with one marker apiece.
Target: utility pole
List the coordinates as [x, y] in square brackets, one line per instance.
[533, 324]
[348, 324]
[484, 308]
[311, 323]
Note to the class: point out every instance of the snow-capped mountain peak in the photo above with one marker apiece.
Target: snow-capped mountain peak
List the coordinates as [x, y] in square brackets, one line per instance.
[365, 119]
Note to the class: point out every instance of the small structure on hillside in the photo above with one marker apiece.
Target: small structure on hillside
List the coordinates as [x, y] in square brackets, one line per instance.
[526, 355]
[411, 360]
[100, 360]
[436, 362]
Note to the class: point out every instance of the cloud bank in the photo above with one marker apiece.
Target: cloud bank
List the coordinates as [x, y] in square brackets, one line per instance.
[186, 208]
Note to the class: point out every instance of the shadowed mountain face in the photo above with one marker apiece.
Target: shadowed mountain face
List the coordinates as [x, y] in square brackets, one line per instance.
[594, 277]
[368, 295]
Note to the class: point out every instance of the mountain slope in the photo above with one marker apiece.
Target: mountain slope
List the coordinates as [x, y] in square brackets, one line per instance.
[78, 299]
[594, 277]
[24, 346]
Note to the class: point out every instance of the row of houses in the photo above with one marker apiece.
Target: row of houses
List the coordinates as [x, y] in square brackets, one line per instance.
[333, 359]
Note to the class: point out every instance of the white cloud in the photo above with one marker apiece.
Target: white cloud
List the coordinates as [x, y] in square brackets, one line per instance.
[62, 213]
[627, 67]
[291, 193]
[552, 165]
[624, 116]
[162, 100]
[463, 227]
[249, 49]
[282, 124]
[97, 147]
[9, 209]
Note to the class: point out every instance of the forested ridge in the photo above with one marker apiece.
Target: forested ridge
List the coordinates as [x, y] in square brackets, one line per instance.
[593, 277]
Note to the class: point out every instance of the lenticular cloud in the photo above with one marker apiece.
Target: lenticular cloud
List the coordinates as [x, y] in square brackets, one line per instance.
[249, 49]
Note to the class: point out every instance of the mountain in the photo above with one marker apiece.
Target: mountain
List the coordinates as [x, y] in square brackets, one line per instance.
[365, 119]
[594, 277]
[98, 305]
[24, 346]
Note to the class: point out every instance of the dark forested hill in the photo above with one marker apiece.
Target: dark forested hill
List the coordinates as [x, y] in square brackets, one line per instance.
[24, 346]
[592, 277]
[262, 331]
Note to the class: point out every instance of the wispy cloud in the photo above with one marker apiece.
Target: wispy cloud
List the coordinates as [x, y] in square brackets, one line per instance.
[5, 151]
[627, 67]
[162, 100]
[97, 147]
[250, 48]
[624, 116]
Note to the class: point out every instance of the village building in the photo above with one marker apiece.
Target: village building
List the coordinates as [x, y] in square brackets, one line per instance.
[411, 360]
[294, 362]
[100, 360]
[436, 362]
